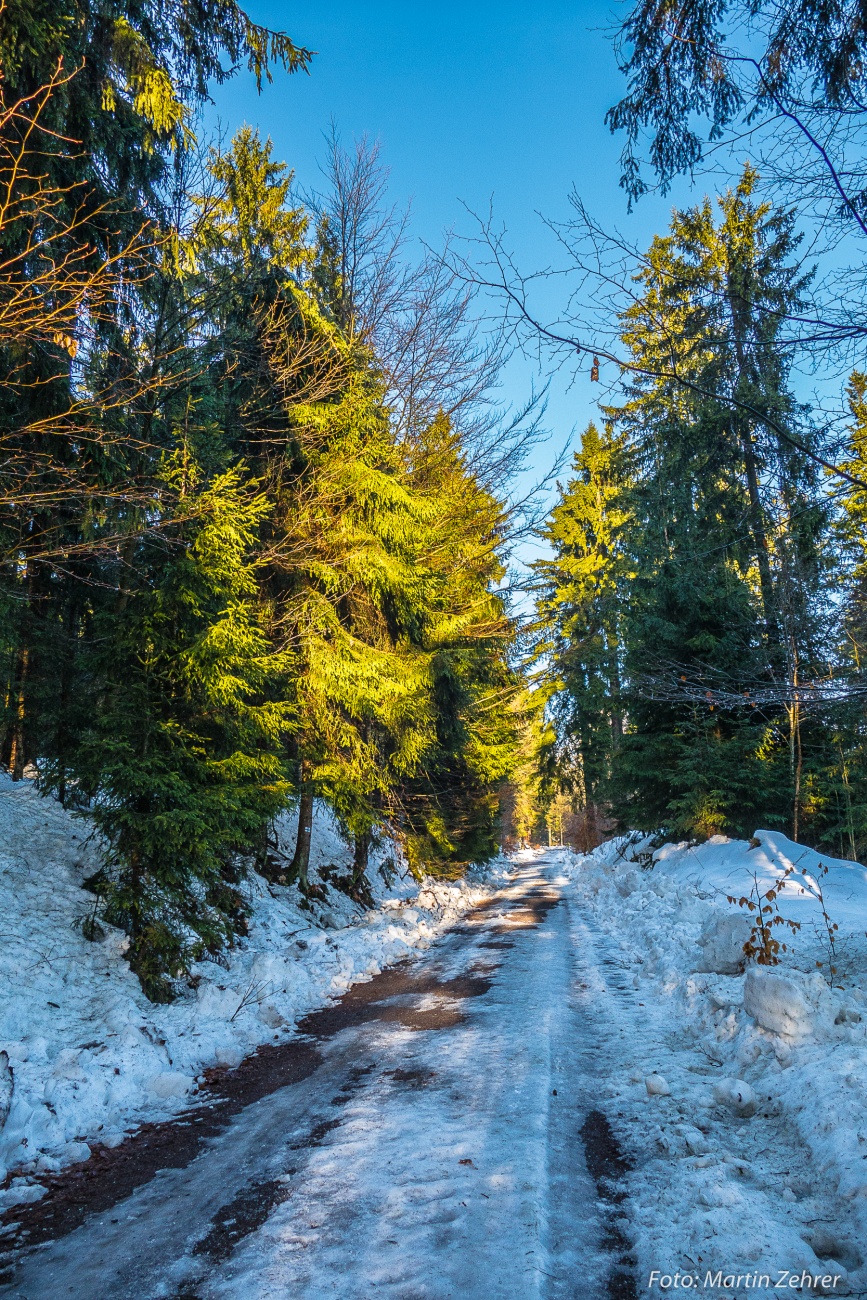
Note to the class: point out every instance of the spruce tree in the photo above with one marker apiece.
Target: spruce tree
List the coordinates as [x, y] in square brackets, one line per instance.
[836, 779]
[451, 807]
[267, 592]
[720, 526]
[179, 764]
[580, 592]
[95, 127]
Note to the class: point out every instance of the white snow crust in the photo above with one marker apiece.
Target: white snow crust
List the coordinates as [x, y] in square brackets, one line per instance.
[85, 1057]
[753, 1157]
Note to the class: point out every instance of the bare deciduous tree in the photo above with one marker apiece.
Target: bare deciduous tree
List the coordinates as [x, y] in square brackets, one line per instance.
[419, 316]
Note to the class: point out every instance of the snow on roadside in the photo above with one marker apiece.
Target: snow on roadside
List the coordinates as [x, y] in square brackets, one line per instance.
[743, 1096]
[88, 1057]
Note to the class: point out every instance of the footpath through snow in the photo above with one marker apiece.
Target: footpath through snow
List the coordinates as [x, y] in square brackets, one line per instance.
[742, 1096]
[85, 1057]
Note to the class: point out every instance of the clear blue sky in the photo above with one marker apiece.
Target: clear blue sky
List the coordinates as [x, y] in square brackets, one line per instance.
[470, 102]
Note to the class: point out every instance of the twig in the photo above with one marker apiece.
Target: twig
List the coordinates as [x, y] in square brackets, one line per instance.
[253, 995]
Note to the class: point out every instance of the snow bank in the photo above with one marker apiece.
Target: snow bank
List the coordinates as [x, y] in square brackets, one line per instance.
[754, 1155]
[84, 1057]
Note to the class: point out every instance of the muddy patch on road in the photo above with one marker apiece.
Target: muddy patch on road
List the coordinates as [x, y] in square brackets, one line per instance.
[113, 1174]
[525, 913]
[608, 1167]
[418, 1000]
[412, 1078]
[241, 1217]
[398, 994]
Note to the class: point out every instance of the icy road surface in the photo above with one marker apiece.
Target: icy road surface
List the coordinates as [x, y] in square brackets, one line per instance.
[440, 1149]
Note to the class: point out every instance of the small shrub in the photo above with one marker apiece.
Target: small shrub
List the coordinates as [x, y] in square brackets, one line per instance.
[763, 946]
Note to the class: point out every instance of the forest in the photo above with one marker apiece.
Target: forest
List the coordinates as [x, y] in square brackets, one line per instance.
[252, 545]
[256, 495]
[701, 618]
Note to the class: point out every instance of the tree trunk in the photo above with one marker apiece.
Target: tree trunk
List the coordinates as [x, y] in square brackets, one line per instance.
[796, 753]
[757, 528]
[360, 856]
[135, 890]
[745, 438]
[850, 825]
[301, 859]
[799, 768]
[14, 747]
[614, 690]
[64, 737]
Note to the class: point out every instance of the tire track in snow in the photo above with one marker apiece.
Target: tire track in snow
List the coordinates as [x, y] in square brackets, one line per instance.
[434, 1152]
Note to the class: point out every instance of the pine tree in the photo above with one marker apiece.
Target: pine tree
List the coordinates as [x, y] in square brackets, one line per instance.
[348, 596]
[267, 592]
[356, 578]
[373, 543]
[723, 603]
[836, 779]
[99, 107]
[525, 798]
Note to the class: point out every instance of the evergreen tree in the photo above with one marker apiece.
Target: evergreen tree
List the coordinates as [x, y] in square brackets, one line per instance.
[371, 539]
[580, 594]
[268, 591]
[95, 126]
[525, 797]
[836, 779]
[719, 524]
[348, 596]
[451, 808]
[179, 763]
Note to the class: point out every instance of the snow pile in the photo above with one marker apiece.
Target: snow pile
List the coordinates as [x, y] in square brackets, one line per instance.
[84, 1057]
[783, 1003]
[722, 944]
[747, 1088]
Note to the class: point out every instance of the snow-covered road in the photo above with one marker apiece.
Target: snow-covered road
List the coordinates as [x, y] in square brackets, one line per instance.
[437, 1151]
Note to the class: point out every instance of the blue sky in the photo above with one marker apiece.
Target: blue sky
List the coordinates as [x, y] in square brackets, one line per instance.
[471, 102]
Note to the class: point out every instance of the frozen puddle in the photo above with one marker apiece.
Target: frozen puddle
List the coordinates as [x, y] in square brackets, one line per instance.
[432, 1147]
